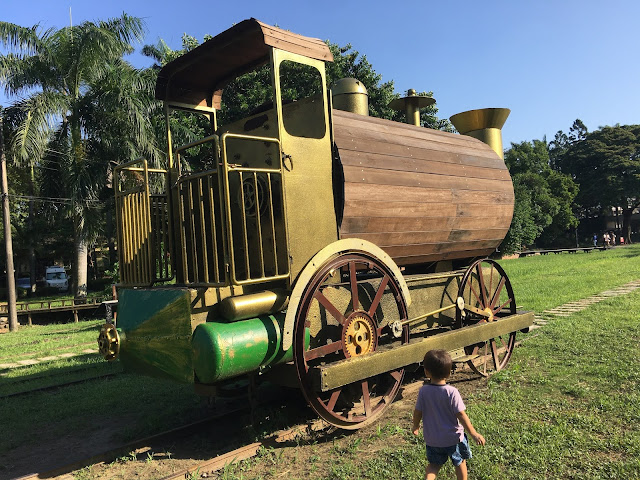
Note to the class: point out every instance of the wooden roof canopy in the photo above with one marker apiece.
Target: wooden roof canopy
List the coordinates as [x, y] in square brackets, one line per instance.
[198, 77]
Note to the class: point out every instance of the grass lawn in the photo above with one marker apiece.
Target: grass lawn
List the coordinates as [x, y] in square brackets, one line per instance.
[546, 281]
[567, 405]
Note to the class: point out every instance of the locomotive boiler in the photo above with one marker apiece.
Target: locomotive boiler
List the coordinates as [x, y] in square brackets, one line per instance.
[302, 239]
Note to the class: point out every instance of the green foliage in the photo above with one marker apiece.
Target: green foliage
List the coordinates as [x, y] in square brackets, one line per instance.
[606, 164]
[543, 198]
[253, 89]
[78, 106]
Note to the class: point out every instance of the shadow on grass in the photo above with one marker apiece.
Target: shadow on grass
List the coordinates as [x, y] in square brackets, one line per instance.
[84, 420]
[56, 371]
[94, 326]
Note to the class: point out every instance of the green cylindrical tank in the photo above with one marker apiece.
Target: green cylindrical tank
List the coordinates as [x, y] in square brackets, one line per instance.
[226, 350]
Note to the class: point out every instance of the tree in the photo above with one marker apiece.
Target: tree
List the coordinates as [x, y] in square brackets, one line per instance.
[560, 144]
[544, 198]
[254, 88]
[606, 164]
[61, 75]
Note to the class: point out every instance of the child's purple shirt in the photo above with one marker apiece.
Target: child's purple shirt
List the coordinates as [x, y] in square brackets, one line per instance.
[439, 405]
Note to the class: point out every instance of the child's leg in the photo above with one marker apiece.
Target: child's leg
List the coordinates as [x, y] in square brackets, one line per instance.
[461, 471]
[432, 471]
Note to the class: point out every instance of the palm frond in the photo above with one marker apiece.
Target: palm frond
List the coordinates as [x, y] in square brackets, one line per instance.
[25, 40]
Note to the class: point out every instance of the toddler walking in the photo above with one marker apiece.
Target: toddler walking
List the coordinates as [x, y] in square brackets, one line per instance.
[444, 420]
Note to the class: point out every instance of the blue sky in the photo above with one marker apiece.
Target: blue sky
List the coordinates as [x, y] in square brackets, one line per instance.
[550, 62]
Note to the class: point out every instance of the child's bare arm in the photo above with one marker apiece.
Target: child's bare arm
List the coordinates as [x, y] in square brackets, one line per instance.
[466, 423]
[417, 416]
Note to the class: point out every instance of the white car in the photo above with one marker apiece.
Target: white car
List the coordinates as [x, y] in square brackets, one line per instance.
[56, 277]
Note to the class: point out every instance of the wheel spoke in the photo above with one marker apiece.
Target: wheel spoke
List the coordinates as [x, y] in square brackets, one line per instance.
[354, 285]
[366, 398]
[491, 279]
[322, 351]
[475, 293]
[335, 313]
[378, 297]
[333, 399]
[494, 354]
[496, 294]
[509, 300]
[483, 292]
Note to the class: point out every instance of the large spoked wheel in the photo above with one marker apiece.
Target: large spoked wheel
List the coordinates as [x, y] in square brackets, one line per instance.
[347, 310]
[488, 296]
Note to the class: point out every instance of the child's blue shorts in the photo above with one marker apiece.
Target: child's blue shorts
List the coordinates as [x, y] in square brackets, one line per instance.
[457, 453]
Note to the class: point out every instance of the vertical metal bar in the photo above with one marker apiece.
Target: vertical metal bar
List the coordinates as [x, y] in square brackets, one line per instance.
[134, 237]
[119, 234]
[129, 233]
[140, 263]
[216, 275]
[142, 254]
[196, 276]
[183, 234]
[157, 237]
[273, 224]
[221, 168]
[166, 221]
[203, 231]
[147, 222]
[164, 270]
[244, 226]
[258, 227]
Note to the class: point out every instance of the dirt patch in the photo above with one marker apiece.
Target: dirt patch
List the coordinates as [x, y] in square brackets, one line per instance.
[306, 454]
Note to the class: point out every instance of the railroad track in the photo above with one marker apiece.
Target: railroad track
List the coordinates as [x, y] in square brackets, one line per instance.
[58, 385]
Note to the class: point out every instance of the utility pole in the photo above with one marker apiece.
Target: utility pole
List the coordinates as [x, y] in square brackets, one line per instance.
[11, 279]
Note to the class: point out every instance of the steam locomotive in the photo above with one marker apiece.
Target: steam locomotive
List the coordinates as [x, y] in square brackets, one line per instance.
[306, 241]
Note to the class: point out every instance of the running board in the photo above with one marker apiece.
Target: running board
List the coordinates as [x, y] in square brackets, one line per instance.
[353, 369]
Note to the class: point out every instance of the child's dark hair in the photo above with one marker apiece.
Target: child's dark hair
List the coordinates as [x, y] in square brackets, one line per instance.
[437, 363]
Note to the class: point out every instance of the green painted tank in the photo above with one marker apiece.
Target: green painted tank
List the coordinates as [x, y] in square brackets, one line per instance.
[226, 350]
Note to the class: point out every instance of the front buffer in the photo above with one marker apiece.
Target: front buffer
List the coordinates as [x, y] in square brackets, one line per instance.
[158, 335]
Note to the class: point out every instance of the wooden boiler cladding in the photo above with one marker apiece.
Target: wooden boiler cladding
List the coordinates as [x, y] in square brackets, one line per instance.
[421, 195]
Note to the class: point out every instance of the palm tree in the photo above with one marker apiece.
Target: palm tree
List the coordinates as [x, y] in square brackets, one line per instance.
[83, 106]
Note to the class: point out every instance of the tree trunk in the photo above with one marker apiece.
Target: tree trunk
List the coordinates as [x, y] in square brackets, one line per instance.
[626, 224]
[32, 248]
[80, 263]
[6, 220]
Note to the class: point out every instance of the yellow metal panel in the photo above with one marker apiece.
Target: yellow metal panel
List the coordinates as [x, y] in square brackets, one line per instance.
[307, 176]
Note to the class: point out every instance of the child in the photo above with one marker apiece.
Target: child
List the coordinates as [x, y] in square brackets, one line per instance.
[443, 418]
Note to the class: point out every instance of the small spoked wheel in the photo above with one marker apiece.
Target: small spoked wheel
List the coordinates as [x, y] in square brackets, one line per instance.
[348, 309]
[488, 296]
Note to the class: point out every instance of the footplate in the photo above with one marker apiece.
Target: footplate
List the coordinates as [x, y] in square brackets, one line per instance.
[358, 368]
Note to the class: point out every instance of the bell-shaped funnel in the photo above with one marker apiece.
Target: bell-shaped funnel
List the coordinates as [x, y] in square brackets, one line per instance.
[485, 124]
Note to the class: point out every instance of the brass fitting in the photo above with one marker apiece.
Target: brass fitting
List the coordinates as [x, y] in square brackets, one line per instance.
[485, 124]
[411, 105]
[350, 95]
[109, 342]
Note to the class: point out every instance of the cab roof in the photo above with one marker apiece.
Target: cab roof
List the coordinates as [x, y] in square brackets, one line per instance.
[198, 77]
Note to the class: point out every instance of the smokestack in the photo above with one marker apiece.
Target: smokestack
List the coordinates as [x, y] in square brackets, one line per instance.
[484, 124]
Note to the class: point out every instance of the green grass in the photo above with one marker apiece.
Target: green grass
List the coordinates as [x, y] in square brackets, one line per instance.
[46, 340]
[567, 406]
[546, 281]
